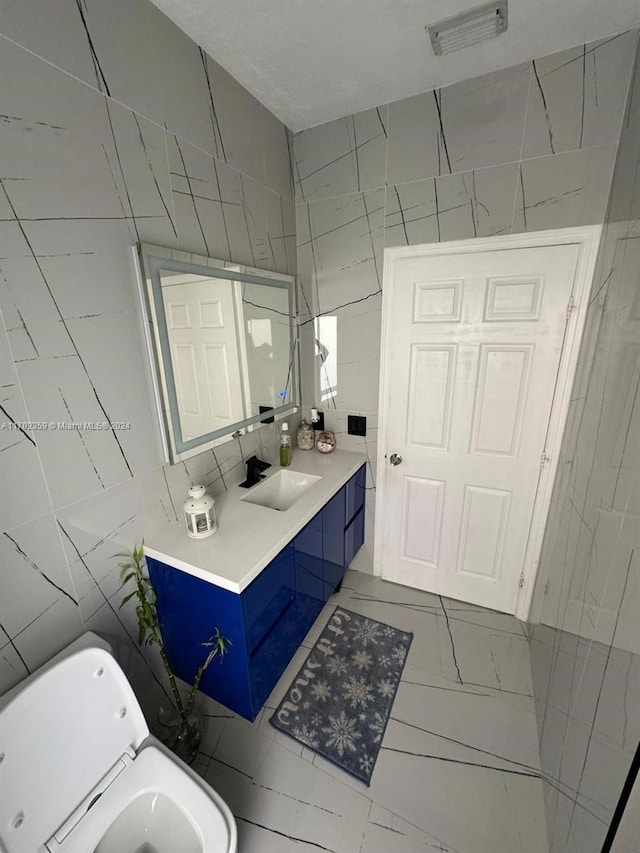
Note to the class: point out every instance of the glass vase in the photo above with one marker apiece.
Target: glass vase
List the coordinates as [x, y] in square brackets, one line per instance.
[181, 734]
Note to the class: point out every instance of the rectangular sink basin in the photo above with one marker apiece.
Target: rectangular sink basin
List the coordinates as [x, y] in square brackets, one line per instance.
[281, 490]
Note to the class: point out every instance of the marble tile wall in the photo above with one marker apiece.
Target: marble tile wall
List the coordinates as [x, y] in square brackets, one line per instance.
[585, 651]
[115, 128]
[528, 148]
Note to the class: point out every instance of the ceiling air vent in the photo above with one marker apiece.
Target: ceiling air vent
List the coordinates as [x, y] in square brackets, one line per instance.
[479, 24]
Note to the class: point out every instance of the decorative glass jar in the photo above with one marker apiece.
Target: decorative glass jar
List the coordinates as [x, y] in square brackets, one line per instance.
[199, 514]
[326, 442]
[305, 436]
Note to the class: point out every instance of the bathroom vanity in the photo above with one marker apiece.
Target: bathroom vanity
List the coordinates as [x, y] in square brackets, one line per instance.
[263, 578]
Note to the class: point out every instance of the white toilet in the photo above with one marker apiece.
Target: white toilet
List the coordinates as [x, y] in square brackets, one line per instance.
[80, 773]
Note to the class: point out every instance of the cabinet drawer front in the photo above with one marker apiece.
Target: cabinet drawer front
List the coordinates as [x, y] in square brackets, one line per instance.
[333, 525]
[270, 657]
[268, 596]
[308, 556]
[355, 490]
[354, 537]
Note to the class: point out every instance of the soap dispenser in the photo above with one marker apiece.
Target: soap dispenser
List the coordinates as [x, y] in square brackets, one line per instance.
[285, 445]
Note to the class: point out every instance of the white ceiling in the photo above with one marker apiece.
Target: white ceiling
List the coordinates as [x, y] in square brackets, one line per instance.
[310, 61]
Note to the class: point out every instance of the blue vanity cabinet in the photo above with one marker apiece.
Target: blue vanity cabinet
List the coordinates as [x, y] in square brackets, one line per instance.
[333, 525]
[270, 625]
[326, 546]
[343, 519]
[189, 610]
[268, 620]
[261, 624]
[308, 553]
[354, 495]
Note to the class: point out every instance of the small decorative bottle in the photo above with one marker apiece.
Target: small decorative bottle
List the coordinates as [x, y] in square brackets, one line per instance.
[305, 436]
[199, 513]
[285, 445]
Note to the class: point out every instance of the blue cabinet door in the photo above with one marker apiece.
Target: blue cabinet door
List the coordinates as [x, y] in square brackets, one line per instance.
[339, 516]
[333, 564]
[354, 537]
[189, 610]
[354, 497]
[266, 598]
[271, 630]
[309, 585]
[269, 659]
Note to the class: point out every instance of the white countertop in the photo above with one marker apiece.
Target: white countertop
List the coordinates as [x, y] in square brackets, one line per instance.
[250, 536]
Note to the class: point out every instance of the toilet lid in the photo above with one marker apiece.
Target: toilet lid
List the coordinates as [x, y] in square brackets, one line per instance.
[58, 738]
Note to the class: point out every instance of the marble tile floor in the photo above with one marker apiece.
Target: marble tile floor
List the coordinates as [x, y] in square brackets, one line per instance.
[458, 771]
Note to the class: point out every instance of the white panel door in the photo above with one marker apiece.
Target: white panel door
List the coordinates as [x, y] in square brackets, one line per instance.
[204, 355]
[473, 345]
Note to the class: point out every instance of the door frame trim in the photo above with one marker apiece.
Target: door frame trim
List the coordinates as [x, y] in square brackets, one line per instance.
[588, 239]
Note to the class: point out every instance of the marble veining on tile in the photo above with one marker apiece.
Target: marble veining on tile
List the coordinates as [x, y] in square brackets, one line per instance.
[116, 128]
[576, 100]
[586, 653]
[465, 126]
[454, 207]
[343, 156]
[564, 188]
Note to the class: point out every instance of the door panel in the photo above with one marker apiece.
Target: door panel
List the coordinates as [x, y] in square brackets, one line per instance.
[432, 373]
[473, 348]
[502, 390]
[485, 515]
[422, 519]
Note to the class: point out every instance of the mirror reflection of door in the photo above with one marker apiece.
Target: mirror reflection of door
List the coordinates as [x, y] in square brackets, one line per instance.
[202, 337]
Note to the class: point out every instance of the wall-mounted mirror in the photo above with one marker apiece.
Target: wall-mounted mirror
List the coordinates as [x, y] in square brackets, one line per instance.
[222, 344]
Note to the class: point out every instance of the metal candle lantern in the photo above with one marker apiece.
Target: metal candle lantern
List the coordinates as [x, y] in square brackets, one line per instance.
[199, 513]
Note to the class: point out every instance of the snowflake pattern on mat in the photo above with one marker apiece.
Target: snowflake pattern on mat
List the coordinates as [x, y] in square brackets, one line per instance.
[306, 735]
[367, 632]
[362, 659]
[321, 690]
[337, 666]
[377, 725]
[386, 688]
[340, 701]
[342, 733]
[399, 653]
[366, 762]
[358, 691]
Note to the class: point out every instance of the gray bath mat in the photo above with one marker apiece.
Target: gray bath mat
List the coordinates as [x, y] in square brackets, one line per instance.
[340, 701]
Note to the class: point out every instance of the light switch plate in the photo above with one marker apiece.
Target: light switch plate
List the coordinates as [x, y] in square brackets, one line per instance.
[356, 425]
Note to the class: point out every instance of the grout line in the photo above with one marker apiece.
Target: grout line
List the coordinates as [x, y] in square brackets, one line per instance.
[160, 125]
[423, 179]
[519, 175]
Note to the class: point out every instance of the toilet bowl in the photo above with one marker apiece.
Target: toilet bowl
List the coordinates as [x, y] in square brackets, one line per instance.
[80, 772]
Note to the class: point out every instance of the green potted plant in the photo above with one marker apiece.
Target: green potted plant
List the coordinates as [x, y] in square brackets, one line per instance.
[181, 720]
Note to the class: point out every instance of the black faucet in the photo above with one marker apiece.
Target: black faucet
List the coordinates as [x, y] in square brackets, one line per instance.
[254, 475]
